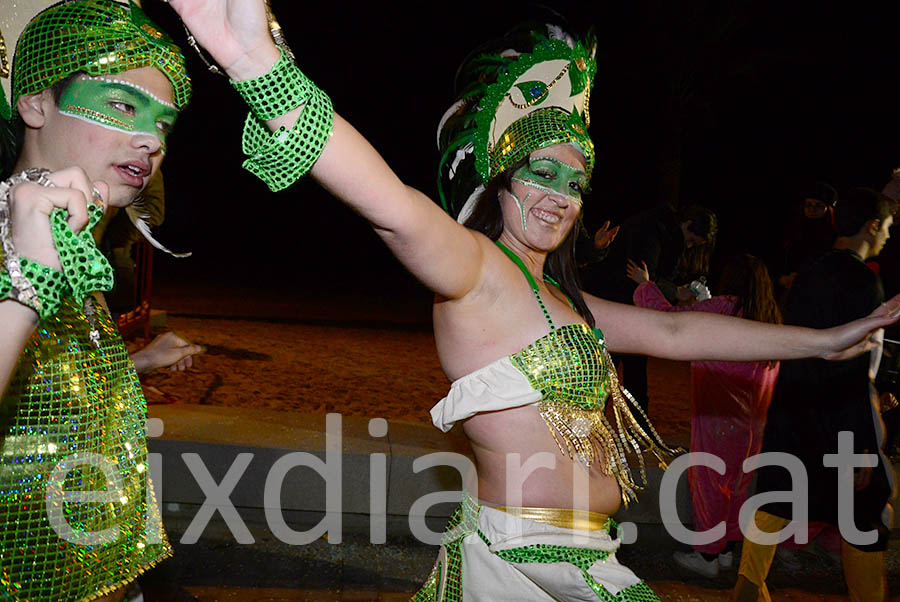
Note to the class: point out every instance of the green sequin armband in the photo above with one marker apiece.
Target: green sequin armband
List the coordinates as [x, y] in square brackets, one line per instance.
[282, 157]
[34, 285]
[48, 286]
[280, 90]
[37, 286]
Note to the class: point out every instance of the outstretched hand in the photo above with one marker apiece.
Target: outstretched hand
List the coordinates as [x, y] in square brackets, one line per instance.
[234, 32]
[167, 349]
[605, 235]
[862, 335]
[638, 273]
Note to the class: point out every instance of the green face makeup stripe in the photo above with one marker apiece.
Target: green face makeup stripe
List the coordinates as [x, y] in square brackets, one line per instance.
[118, 105]
[521, 205]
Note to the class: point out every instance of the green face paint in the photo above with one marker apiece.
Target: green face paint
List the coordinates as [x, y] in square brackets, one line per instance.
[552, 176]
[521, 205]
[119, 105]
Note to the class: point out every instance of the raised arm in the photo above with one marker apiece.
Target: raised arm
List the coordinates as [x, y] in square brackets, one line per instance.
[445, 256]
[704, 336]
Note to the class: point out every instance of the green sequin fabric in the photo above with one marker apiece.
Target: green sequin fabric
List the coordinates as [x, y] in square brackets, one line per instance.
[540, 129]
[98, 37]
[282, 157]
[572, 370]
[71, 399]
[50, 285]
[444, 583]
[87, 270]
[283, 89]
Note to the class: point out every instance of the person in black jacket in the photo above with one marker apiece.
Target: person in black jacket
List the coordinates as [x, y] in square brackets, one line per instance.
[815, 401]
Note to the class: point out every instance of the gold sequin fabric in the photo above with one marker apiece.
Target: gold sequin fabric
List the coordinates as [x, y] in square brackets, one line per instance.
[571, 369]
[78, 518]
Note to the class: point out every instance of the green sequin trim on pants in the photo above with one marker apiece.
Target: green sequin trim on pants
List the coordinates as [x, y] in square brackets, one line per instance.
[444, 583]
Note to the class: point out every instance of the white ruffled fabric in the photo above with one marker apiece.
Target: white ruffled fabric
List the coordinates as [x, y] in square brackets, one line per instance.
[497, 386]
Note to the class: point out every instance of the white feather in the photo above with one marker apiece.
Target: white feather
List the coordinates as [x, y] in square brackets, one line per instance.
[469, 206]
[447, 115]
[555, 32]
[460, 155]
[140, 223]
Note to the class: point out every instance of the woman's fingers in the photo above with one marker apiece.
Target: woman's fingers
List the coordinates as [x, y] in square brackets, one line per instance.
[855, 338]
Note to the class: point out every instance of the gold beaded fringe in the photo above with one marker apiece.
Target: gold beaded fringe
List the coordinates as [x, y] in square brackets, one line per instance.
[587, 435]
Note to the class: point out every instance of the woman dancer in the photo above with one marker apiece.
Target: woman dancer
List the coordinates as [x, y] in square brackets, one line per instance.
[531, 375]
[729, 401]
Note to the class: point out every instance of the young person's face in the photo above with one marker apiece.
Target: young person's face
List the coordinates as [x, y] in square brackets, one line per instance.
[114, 127]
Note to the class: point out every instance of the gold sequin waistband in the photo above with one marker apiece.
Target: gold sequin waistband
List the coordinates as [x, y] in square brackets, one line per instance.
[579, 520]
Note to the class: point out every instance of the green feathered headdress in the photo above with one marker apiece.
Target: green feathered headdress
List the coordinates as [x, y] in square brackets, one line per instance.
[515, 99]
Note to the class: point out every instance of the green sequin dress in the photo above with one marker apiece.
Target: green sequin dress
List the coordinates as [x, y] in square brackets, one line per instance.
[72, 421]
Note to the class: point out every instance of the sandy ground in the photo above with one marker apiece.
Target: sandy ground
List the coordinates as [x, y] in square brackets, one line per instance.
[358, 371]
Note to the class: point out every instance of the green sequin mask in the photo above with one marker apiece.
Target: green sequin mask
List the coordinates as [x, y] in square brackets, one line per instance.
[118, 105]
[98, 37]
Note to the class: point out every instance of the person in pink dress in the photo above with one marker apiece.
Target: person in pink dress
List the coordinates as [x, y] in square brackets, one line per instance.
[729, 401]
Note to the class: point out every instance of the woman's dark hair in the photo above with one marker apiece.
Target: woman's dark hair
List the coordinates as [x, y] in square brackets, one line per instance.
[747, 278]
[695, 261]
[560, 265]
[12, 133]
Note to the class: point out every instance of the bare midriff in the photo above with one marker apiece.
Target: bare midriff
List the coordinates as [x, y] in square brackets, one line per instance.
[519, 463]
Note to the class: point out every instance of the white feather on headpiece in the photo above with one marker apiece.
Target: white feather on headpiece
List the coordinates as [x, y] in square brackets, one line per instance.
[555, 32]
[456, 106]
[460, 155]
[140, 222]
[469, 207]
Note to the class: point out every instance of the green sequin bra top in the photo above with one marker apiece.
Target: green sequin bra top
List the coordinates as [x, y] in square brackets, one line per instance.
[569, 375]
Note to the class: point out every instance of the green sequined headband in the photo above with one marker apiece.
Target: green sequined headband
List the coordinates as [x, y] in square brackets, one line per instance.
[98, 37]
[516, 103]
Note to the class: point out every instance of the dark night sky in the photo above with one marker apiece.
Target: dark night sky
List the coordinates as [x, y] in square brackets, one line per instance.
[770, 99]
